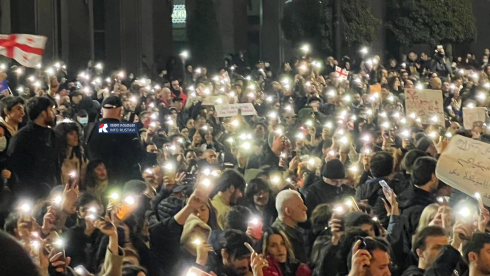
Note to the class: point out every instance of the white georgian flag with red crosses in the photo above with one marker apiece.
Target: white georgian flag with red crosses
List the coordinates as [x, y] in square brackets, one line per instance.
[24, 48]
[341, 73]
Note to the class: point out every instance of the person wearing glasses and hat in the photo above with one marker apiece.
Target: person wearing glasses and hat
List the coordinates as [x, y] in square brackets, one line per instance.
[120, 152]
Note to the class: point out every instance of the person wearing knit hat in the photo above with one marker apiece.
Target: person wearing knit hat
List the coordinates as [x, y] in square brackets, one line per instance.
[329, 188]
[334, 170]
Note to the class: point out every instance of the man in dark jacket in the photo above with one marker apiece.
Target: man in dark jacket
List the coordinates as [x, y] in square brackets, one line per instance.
[475, 254]
[413, 201]
[427, 244]
[120, 152]
[329, 189]
[34, 158]
[381, 169]
[291, 211]
[440, 64]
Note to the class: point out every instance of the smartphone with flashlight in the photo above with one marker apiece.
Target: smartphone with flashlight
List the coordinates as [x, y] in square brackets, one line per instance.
[339, 213]
[82, 271]
[57, 247]
[194, 271]
[385, 186]
[256, 225]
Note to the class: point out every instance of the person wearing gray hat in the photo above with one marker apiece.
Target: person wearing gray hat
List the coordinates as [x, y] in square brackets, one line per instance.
[329, 188]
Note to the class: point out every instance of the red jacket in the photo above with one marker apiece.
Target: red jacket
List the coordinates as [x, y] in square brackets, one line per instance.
[275, 270]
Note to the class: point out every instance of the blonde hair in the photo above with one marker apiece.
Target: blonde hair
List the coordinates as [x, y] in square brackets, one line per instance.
[426, 217]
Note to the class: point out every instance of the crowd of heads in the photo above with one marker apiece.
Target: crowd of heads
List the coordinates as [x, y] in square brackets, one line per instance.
[318, 169]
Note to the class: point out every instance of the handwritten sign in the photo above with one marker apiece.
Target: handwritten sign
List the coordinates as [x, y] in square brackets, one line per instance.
[425, 104]
[214, 100]
[230, 110]
[473, 115]
[465, 165]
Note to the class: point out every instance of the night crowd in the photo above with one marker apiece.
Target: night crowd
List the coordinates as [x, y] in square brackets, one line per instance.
[328, 178]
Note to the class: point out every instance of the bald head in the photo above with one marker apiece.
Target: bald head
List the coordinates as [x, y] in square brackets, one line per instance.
[436, 83]
[290, 207]
[166, 93]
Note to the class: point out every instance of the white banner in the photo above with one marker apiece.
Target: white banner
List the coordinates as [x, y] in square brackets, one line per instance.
[230, 110]
[425, 104]
[465, 165]
[472, 115]
[215, 100]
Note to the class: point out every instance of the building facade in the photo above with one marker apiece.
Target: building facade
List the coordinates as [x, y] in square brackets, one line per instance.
[141, 34]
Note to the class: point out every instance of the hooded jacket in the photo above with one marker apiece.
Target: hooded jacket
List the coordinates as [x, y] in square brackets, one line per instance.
[372, 191]
[412, 203]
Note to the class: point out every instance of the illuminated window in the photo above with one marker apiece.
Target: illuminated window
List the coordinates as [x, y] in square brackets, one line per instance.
[179, 14]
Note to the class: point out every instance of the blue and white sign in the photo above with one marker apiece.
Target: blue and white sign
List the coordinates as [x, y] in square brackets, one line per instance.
[117, 128]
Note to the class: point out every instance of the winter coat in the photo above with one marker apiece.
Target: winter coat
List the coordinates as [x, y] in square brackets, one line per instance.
[34, 160]
[449, 262]
[120, 152]
[295, 237]
[372, 191]
[277, 269]
[321, 192]
[412, 203]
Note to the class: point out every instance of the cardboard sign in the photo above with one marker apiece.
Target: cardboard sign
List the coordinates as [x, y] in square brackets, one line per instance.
[375, 88]
[465, 165]
[230, 110]
[425, 104]
[214, 100]
[473, 115]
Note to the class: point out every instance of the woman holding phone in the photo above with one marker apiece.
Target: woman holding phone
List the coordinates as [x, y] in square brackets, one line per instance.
[279, 254]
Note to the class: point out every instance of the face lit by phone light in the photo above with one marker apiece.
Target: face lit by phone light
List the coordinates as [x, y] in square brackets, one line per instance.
[88, 209]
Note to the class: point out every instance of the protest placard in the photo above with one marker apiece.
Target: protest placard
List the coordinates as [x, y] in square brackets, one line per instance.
[473, 115]
[465, 165]
[425, 104]
[214, 100]
[230, 110]
[375, 88]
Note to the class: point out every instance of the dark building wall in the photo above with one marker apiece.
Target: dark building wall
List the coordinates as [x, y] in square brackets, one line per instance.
[481, 9]
[26, 23]
[162, 29]
[77, 33]
[113, 34]
[240, 24]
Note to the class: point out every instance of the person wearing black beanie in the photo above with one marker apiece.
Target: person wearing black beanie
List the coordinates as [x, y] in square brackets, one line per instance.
[329, 189]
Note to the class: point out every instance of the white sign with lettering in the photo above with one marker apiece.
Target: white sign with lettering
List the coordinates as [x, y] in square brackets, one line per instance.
[230, 110]
[425, 104]
[473, 115]
[465, 165]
